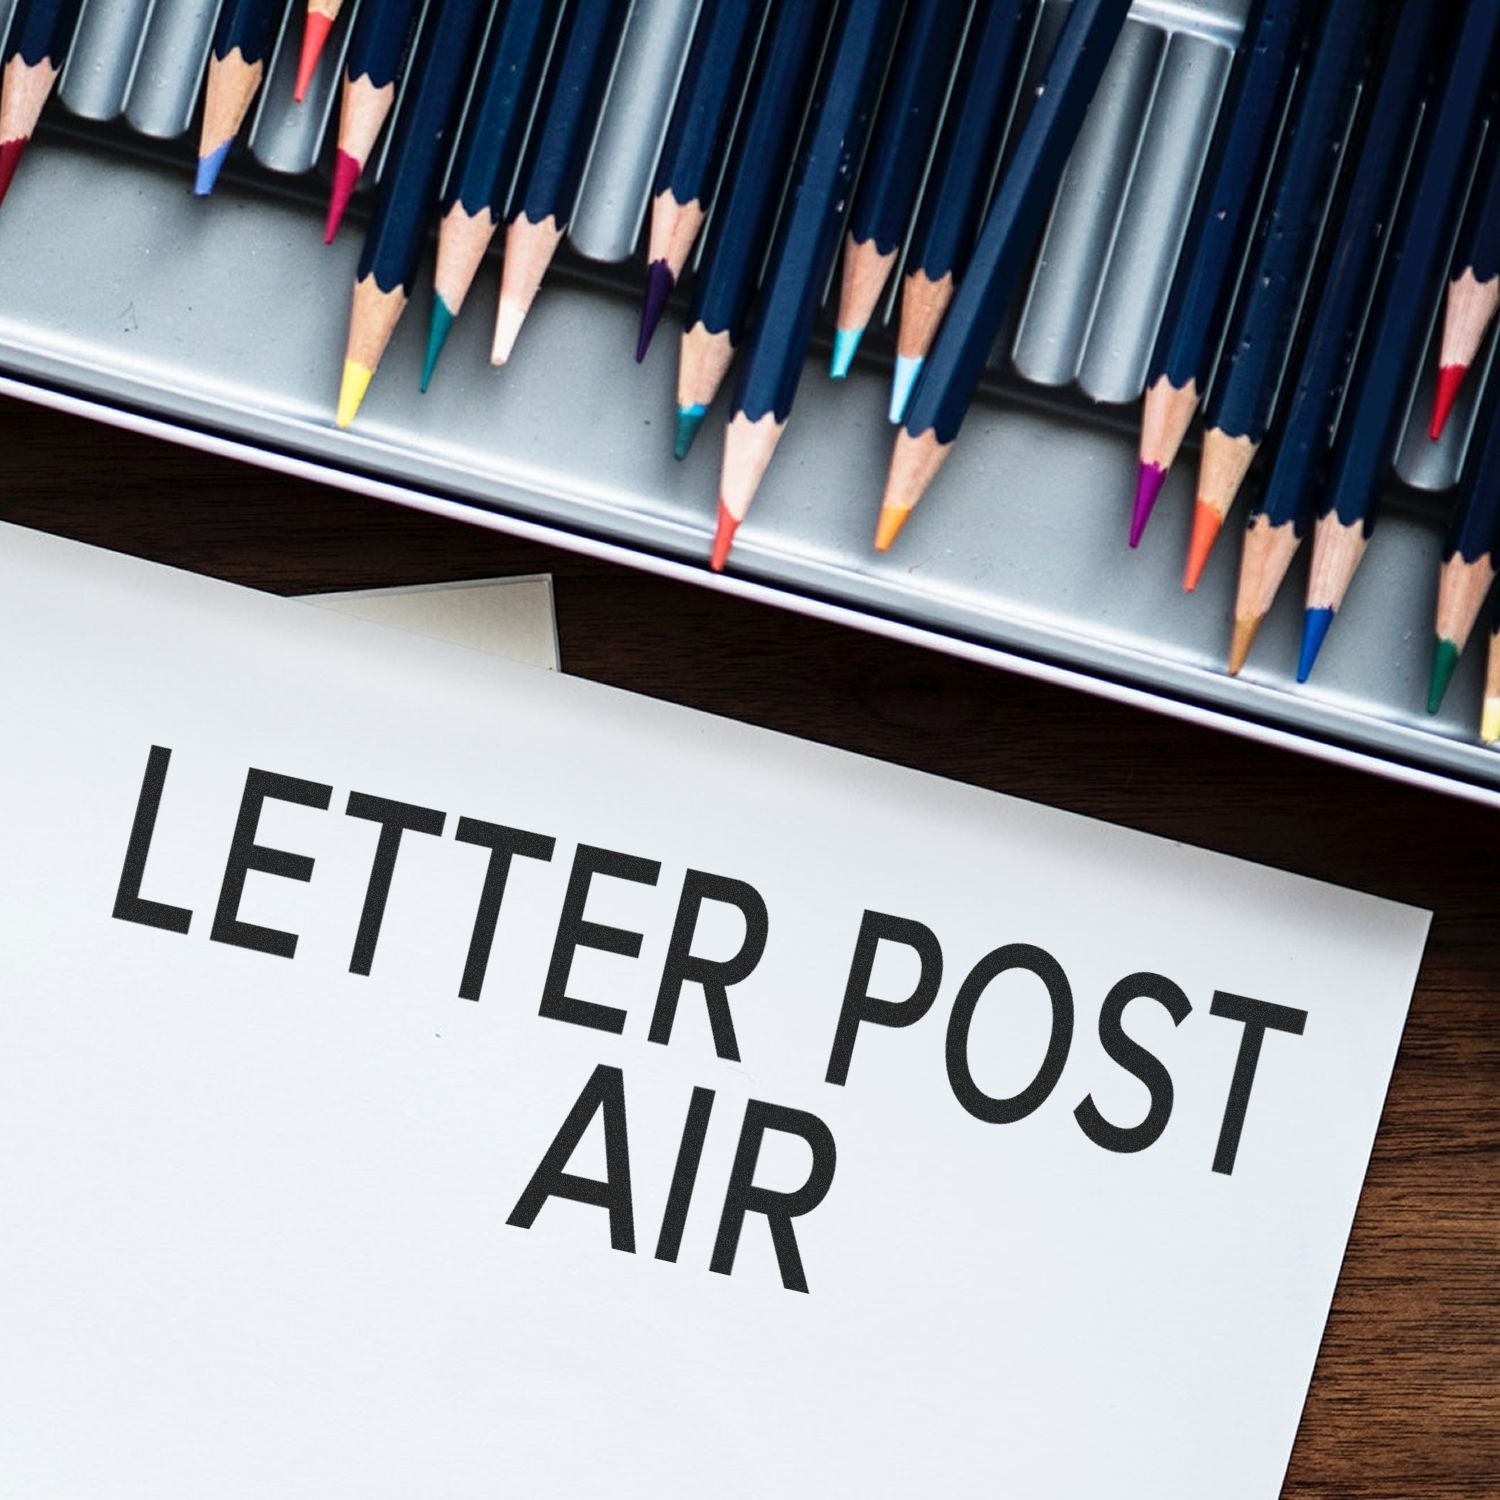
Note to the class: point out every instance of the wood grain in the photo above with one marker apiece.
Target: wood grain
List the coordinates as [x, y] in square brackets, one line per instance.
[1405, 1401]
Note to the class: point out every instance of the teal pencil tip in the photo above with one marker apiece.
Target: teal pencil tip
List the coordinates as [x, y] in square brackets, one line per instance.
[1444, 660]
[689, 420]
[1315, 625]
[902, 384]
[845, 345]
[437, 336]
[208, 169]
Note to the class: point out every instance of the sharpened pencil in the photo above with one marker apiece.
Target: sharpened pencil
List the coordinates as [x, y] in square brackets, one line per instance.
[964, 161]
[36, 46]
[1380, 156]
[1012, 227]
[735, 247]
[892, 170]
[1264, 323]
[377, 50]
[547, 188]
[1369, 429]
[1474, 290]
[321, 14]
[1468, 567]
[408, 191]
[1223, 212]
[489, 148]
[803, 256]
[692, 155]
[236, 66]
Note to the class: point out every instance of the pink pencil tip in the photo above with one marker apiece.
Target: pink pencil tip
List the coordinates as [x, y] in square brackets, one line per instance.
[1450, 380]
[346, 170]
[1148, 482]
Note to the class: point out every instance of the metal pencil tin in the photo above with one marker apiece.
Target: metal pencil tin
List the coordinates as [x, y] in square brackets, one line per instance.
[221, 324]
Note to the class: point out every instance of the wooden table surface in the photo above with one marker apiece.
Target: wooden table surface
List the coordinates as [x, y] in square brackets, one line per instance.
[1406, 1398]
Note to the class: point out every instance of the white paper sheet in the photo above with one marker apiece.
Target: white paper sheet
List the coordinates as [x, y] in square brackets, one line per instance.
[254, 1235]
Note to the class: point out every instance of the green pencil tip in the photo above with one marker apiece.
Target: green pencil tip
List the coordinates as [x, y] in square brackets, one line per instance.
[437, 336]
[689, 420]
[1444, 660]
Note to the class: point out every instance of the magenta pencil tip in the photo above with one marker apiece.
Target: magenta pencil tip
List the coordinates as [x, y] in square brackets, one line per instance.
[659, 284]
[1148, 482]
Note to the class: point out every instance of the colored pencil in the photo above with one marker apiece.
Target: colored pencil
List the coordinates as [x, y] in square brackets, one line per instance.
[892, 173]
[1489, 729]
[1007, 240]
[377, 51]
[36, 46]
[692, 154]
[963, 165]
[408, 190]
[1474, 291]
[547, 188]
[1220, 223]
[1264, 323]
[1280, 518]
[735, 248]
[321, 14]
[489, 148]
[236, 66]
[802, 258]
[1468, 567]
[1369, 429]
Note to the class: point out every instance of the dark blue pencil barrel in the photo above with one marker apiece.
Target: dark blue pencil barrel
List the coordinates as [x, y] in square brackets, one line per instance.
[378, 40]
[41, 31]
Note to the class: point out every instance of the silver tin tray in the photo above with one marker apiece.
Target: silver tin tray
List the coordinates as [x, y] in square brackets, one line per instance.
[225, 320]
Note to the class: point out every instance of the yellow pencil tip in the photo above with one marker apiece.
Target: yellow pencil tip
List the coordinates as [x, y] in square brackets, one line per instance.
[352, 390]
[1489, 727]
[1241, 642]
[892, 519]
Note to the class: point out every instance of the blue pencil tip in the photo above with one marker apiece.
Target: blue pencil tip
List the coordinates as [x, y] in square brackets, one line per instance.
[1315, 625]
[437, 336]
[689, 420]
[209, 167]
[902, 384]
[845, 344]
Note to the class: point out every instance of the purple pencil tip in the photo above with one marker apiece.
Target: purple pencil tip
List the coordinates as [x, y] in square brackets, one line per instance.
[1148, 482]
[659, 284]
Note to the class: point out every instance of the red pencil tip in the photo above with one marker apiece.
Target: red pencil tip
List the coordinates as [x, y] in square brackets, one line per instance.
[10, 157]
[314, 35]
[723, 538]
[1450, 379]
[346, 172]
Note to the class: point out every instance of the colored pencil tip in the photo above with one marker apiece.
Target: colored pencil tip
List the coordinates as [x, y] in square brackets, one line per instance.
[1489, 724]
[659, 284]
[723, 538]
[352, 388]
[1444, 660]
[845, 346]
[1206, 524]
[10, 159]
[892, 518]
[1241, 641]
[1315, 625]
[689, 420]
[346, 172]
[437, 336]
[314, 35]
[208, 169]
[1450, 380]
[903, 381]
[508, 320]
[1149, 479]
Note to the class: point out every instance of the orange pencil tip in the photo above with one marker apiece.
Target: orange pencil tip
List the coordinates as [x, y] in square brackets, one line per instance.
[723, 538]
[888, 528]
[314, 36]
[1206, 524]
[1449, 382]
